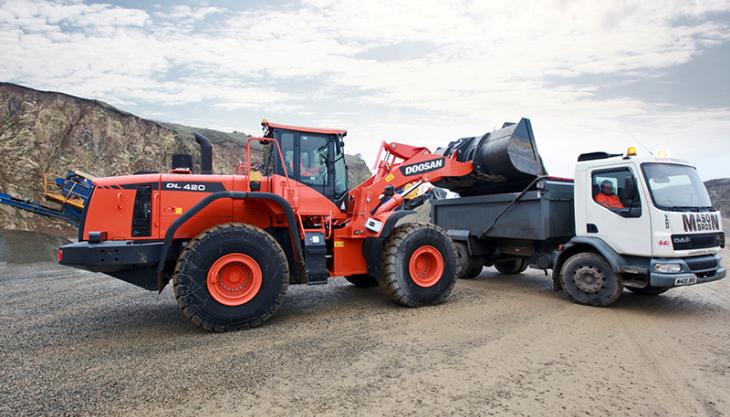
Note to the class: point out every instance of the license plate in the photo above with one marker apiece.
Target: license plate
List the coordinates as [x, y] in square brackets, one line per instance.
[685, 281]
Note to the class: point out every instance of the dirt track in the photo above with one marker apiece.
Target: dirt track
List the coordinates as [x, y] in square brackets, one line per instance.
[81, 343]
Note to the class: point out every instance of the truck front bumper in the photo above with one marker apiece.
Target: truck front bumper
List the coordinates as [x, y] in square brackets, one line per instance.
[694, 270]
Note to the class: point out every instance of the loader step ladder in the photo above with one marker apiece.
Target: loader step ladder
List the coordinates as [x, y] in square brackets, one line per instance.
[315, 258]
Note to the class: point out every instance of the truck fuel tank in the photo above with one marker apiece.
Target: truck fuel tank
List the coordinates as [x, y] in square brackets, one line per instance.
[505, 160]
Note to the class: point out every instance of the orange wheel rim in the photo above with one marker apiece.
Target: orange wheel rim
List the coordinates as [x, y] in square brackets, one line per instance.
[426, 266]
[234, 279]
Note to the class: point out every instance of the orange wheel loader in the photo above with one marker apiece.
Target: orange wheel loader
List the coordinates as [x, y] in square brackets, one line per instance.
[232, 244]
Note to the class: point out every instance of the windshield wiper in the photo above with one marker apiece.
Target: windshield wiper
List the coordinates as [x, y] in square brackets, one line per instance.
[683, 208]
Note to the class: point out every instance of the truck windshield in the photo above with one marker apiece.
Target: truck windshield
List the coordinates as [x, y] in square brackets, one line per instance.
[676, 187]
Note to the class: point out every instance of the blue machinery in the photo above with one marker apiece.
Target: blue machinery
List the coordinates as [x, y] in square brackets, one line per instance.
[70, 192]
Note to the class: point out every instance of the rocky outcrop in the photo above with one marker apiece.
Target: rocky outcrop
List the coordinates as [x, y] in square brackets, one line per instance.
[50, 132]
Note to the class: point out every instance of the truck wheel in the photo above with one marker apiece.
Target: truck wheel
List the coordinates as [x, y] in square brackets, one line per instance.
[419, 265]
[589, 279]
[362, 281]
[467, 266]
[230, 277]
[648, 290]
[516, 266]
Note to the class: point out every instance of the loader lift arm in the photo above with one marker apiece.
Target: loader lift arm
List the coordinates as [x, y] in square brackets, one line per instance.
[398, 164]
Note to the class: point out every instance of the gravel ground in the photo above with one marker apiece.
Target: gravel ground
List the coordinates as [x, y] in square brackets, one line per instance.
[78, 343]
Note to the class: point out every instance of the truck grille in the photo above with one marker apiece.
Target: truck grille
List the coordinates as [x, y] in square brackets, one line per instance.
[698, 241]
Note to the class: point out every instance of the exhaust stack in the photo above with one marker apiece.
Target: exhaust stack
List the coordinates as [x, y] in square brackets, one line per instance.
[206, 154]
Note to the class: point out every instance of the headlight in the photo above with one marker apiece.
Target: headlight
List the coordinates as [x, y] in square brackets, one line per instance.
[668, 268]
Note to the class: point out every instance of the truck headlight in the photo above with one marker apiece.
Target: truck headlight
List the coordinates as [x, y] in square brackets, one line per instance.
[668, 268]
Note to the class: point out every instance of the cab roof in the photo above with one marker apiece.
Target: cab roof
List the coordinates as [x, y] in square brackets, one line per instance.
[613, 159]
[271, 125]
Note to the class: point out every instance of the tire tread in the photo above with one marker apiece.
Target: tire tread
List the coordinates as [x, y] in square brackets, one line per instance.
[184, 264]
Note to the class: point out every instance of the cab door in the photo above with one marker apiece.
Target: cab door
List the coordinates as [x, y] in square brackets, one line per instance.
[617, 212]
[313, 159]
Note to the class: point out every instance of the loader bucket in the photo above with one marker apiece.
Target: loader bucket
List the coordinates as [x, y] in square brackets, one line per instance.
[505, 160]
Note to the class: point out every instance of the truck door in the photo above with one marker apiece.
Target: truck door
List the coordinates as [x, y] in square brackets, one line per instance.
[617, 213]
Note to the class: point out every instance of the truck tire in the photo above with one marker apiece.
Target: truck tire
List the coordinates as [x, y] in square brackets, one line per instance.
[467, 266]
[362, 281]
[230, 277]
[419, 265]
[516, 266]
[589, 279]
[648, 290]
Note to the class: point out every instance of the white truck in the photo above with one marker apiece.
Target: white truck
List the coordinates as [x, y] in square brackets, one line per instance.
[645, 223]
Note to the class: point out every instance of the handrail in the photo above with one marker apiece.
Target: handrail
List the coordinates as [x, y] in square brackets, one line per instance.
[248, 159]
[283, 165]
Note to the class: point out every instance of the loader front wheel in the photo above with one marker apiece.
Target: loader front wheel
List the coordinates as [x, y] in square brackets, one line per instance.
[230, 277]
[419, 265]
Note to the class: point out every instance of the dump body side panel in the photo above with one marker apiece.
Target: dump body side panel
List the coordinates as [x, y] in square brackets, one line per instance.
[542, 214]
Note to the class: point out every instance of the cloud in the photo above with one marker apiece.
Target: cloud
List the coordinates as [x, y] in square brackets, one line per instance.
[426, 71]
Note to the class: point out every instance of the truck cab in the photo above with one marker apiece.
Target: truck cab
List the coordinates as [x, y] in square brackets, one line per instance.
[650, 217]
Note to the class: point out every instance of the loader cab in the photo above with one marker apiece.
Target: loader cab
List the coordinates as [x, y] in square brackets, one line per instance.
[311, 156]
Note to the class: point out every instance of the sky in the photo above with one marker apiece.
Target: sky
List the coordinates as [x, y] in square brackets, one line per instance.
[591, 75]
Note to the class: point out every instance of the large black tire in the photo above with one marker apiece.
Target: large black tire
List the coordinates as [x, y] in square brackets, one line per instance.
[362, 281]
[467, 266]
[648, 290]
[589, 279]
[191, 286]
[432, 243]
[516, 266]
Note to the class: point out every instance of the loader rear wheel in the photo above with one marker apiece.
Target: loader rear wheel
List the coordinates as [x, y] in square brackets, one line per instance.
[362, 281]
[590, 279]
[230, 277]
[467, 266]
[419, 265]
[516, 266]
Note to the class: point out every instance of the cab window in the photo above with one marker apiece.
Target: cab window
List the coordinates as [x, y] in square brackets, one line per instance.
[616, 190]
[340, 172]
[313, 160]
[287, 149]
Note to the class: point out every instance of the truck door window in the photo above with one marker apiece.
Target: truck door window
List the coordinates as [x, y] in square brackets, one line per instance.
[616, 190]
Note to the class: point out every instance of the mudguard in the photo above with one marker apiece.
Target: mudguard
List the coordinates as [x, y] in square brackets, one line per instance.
[372, 247]
[235, 195]
[580, 244]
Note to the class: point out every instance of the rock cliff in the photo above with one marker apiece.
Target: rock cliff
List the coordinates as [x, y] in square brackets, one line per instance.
[51, 132]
